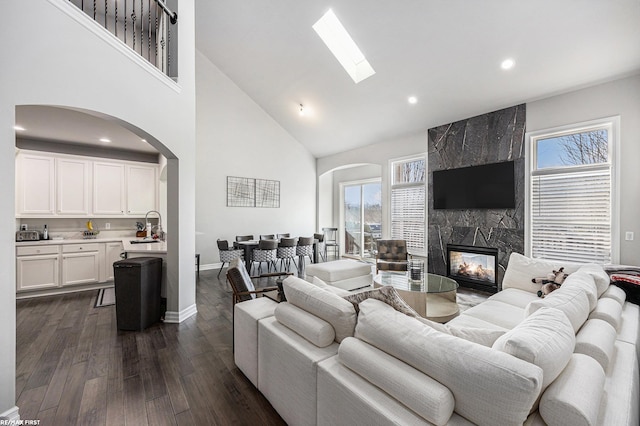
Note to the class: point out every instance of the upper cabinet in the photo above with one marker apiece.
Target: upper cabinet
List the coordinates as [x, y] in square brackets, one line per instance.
[35, 185]
[142, 188]
[73, 186]
[108, 188]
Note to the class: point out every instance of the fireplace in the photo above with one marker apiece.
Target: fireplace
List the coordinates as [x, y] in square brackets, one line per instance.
[474, 267]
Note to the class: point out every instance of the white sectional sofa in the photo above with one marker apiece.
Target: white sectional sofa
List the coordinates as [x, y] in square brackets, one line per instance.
[568, 359]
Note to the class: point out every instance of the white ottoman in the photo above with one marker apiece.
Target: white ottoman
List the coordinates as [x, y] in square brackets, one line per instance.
[345, 274]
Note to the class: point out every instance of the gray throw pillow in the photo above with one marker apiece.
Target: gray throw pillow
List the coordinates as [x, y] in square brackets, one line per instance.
[386, 294]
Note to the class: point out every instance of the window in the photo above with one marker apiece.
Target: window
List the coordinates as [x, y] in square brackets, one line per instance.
[571, 198]
[408, 206]
[362, 212]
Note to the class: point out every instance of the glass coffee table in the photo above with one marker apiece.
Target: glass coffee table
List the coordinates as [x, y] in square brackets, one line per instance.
[434, 298]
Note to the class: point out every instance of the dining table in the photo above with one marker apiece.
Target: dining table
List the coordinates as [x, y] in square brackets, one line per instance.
[250, 245]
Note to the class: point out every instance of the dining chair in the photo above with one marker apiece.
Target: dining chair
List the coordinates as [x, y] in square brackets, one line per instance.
[265, 253]
[268, 237]
[281, 236]
[242, 238]
[331, 241]
[321, 247]
[227, 254]
[304, 249]
[286, 252]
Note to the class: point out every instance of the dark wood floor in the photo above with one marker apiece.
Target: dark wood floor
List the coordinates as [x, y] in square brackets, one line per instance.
[75, 367]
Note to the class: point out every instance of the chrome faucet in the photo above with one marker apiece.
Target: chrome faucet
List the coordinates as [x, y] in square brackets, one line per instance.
[159, 231]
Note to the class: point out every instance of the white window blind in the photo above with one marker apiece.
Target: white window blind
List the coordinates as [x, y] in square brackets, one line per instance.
[408, 216]
[571, 216]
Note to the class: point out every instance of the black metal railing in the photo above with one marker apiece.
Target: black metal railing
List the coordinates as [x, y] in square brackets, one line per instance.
[148, 27]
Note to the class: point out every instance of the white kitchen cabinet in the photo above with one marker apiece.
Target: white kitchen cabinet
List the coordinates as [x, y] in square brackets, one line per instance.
[112, 252]
[80, 264]
[35, 185]
[142, 189]
[37, 268]
[72, 186]
[108, 188]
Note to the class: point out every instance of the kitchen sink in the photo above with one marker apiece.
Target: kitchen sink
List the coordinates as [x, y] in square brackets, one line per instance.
[144, 241]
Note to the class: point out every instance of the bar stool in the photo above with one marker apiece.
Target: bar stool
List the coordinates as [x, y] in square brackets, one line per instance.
[286, 252]
[331, 240]
[266, 252]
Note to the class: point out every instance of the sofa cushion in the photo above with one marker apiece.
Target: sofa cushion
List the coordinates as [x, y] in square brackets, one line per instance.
[321, 303]
[574, 397]
[572, 301]
[608, 310]
[615, 293]
[316, 330]
[495, 312]
[596, 339]
[422, 394]
[599, 275]
[386, 294]
[584, 281]
[490, 387]
[515, 297]
[521, 270]
[545, 338]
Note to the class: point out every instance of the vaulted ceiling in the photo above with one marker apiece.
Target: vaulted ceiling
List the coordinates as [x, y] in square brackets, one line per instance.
[446, 53]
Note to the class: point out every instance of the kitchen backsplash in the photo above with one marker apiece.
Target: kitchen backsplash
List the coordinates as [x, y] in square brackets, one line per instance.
[73, 228]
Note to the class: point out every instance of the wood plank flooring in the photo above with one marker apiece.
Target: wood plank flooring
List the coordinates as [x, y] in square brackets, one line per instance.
[75, 367]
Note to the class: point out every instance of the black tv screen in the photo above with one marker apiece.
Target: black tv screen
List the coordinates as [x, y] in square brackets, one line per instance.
[490, 186]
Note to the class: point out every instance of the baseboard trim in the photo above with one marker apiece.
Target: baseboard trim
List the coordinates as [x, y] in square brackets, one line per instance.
[11, 414]
[210, 266]
[177, 317]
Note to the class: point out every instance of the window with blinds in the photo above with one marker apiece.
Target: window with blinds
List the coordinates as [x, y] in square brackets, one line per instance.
[408, 204]
[570, 210]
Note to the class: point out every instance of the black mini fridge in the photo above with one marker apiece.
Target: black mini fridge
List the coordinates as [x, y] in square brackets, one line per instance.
[137, 284]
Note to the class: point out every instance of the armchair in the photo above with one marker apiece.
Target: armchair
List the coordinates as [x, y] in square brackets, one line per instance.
[242, 284]
[392, 255]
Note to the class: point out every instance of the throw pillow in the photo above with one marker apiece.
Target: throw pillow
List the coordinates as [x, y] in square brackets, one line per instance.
[386, 294]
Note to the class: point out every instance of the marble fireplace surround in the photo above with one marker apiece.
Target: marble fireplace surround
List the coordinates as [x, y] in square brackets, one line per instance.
[489, 138]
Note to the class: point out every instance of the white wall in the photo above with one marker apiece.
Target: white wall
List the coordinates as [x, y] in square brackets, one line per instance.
[620, 97]
[235, 137]
[378, 154]
[55, 60]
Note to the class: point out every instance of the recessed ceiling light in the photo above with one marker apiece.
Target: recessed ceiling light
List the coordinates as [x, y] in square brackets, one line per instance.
[19, 128]
[507, 64]
[412, 100]
[105, 140]
[340, 43]
[301, 111]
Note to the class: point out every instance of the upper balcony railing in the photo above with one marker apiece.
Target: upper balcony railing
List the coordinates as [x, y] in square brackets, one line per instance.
[148, 27]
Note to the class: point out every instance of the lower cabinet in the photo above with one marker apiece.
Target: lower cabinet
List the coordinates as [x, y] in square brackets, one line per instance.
[47, 267]
[80, 268]
[37, 272]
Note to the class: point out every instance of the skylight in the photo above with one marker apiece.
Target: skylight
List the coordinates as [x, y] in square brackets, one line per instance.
[340, 43]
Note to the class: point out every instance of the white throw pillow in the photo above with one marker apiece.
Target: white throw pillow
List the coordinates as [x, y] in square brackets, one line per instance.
[572, 301]
[574, 397]
[600, 277]
[585, 281]
[314, 329]
[335, 290]
[545, 338]
[521, 270]
[323, 304]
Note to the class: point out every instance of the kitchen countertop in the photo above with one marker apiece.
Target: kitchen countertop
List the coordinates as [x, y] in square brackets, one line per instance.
[151, 248]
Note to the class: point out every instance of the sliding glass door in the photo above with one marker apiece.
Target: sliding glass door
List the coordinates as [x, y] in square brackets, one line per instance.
[362, 212]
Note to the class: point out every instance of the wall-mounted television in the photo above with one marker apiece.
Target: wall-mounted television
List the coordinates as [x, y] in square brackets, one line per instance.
[489, 186]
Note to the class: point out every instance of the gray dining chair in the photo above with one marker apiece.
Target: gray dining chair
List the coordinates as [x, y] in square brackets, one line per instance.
[287, 252]
[265, 253]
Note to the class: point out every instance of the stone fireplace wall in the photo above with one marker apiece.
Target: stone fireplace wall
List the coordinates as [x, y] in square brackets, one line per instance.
[489, 138]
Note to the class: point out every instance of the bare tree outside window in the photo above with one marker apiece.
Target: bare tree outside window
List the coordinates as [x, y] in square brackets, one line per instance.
[585, 148]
